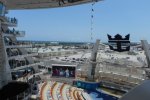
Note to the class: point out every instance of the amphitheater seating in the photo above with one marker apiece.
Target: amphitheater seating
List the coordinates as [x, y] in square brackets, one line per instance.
[61, 91]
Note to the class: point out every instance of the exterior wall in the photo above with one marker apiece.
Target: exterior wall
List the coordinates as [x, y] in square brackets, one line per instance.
[5, 74]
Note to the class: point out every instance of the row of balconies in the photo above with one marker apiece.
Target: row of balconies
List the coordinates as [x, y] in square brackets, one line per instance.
[18, 61]
[14, 54]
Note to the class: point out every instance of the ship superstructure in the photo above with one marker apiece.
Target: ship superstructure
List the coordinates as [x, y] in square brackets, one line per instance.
[13, 55]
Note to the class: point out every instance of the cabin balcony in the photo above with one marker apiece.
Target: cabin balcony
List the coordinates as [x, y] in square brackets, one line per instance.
[22, 56]
[10, 33]
[11, 22]
[18, 46]
[26, 66]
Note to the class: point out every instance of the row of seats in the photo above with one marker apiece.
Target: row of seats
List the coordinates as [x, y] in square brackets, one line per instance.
[42, 86]
[52, 89]
[77, 94]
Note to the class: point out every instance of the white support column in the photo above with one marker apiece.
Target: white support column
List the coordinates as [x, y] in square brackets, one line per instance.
[146, 48]
[92, 64]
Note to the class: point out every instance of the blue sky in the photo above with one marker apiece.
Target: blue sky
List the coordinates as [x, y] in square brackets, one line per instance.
[73, 23]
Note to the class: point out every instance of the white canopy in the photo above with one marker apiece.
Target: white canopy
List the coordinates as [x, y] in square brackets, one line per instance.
[35, 4]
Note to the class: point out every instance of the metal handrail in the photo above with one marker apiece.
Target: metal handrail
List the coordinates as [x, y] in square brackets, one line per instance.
[15, 32]
[22, 56]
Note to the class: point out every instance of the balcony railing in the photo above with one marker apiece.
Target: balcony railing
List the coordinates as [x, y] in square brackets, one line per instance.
[20, 33]
[9, 21]
[26, 66]
[18, 46]
[22, 56]
[14, 32]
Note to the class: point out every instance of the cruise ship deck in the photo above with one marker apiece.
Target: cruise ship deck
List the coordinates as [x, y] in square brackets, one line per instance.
[55, 71]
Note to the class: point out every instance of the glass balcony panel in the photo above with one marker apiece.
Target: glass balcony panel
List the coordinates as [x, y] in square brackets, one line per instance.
[12, 20]
[15, 32]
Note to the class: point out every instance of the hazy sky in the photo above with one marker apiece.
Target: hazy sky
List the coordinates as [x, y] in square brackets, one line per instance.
[73, 23]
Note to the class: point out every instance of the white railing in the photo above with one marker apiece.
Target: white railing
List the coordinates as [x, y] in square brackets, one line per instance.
[26, 66]
[12, 20]
[20, 33]
[14, 33]
[22, 56]
[18, 46]
[9, 21]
